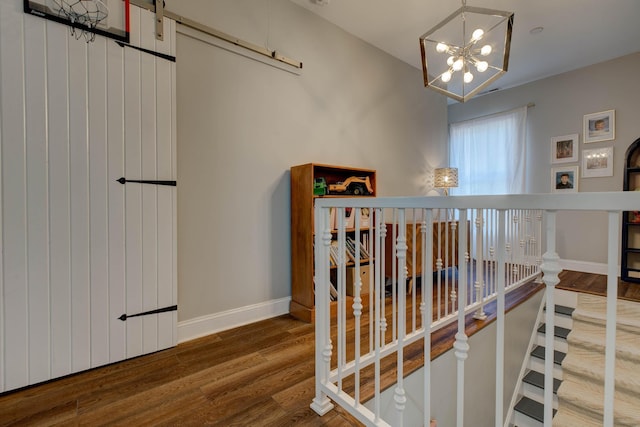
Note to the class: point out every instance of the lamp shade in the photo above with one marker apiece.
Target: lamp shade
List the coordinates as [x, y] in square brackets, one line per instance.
[445, 177]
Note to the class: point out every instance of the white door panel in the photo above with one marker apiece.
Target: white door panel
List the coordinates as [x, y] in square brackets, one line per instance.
[80, 249]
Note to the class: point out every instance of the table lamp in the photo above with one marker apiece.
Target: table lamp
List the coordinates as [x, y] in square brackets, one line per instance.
[445, 178]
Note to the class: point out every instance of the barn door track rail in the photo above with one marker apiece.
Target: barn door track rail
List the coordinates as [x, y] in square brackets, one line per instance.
[124, 180]
[156, 311]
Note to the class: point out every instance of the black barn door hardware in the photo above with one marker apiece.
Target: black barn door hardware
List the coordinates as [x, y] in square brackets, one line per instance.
[159, 310]
[123, 180]
[151, 52]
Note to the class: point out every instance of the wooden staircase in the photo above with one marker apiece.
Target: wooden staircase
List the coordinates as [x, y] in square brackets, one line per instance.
[581, 395]
[529, 410]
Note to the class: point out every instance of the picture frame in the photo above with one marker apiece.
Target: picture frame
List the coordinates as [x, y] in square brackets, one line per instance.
[597, 162]
[599, 126]
[564, 185]
[564, 149]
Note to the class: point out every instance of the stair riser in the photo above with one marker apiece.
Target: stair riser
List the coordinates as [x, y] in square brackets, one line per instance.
[521, 420]
[538, 365]
[562, 321]
[537, 394]
[559, 344]
[566, 298]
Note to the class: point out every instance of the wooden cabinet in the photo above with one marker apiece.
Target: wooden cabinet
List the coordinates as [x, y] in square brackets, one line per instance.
[630, 254]
[304, 179]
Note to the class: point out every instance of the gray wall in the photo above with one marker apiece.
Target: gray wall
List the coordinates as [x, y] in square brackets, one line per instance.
[242, 124]
[560, 104]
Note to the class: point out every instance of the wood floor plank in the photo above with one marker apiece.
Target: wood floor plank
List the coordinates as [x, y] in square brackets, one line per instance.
[243, 396]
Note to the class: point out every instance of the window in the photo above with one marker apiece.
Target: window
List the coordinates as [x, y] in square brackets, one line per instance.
[489, 153]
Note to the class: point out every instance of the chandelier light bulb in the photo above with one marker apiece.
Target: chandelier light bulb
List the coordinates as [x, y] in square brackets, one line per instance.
[486, 50]
[450, 61]
[477, 35]
[458, 64]
[482, 66]
[446, 76]
[442, 48]
[468, 77]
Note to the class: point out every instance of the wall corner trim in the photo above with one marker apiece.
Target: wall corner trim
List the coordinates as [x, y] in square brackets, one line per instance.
[217, 322]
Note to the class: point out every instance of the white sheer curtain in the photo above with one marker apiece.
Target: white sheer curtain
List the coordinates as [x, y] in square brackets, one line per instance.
[489, 153]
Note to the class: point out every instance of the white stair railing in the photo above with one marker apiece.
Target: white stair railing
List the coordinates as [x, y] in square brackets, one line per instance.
[480, 249]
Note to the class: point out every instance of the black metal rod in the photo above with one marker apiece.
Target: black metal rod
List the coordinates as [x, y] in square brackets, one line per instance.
[123, 180]
[151, 52]
[156, 311]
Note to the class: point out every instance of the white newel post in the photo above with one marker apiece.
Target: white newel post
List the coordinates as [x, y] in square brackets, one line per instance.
[399, 397]
[550, 268]
[321, 403]
[461, 345]
[612, 299]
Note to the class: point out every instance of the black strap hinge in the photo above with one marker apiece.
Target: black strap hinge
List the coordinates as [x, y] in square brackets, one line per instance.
[123, 180]
[156, 311]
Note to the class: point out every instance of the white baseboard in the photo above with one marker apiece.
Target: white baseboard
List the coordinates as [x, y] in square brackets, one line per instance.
[585, 267]
[212, 323]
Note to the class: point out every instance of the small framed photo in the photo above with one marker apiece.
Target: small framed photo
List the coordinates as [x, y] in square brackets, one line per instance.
[564, 179]
[597, 162]
[564, 149]
[599, 126]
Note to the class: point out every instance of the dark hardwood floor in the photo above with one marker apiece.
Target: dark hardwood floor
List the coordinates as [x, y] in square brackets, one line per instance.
[596, 284]
[256, 375]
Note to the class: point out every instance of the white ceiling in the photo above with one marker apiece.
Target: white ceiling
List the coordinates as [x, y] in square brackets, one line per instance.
[576, 33]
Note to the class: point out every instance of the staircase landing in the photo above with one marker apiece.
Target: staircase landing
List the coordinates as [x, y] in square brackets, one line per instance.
[596, 284]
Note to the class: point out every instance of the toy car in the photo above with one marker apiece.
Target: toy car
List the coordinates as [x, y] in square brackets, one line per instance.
[355, 185]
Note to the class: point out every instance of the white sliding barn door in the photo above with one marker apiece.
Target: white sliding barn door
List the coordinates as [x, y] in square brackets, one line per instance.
[79, 249]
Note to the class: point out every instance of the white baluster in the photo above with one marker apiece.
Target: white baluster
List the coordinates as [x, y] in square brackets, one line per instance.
[401, 249]
[381, 232]
[479, 267]
[382, 312]
[357, 305]
[538, 254]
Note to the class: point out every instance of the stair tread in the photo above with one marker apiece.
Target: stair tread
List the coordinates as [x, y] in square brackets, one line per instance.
[558, 356]
[531, 408]
[559, 331]
[563, 309]
[537, 379]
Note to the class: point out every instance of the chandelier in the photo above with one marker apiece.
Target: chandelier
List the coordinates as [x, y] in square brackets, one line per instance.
[467, 51]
